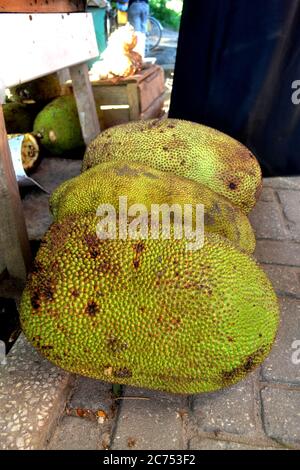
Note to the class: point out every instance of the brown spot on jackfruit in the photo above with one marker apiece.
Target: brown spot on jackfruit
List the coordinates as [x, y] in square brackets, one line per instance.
[232, 185]
[139, 247]
[91, 309]
[46, 346]
[35, 300]
[115, 345]
[37, 267]
[209, 219]
[248, 365]
[126, 170]
[91, 240]
[136, 263]
[123, 373]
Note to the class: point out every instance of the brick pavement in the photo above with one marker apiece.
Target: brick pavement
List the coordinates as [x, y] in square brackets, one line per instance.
[262, 412]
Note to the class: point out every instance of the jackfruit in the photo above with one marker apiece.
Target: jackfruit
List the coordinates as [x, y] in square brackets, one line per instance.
[185, 149]
[58, 127]
[143, 185]
[41, 89]
[148, 313]
[29, 150]
[18, 118]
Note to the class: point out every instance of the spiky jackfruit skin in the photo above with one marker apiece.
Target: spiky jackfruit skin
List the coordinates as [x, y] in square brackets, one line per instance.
[185, 149]
[148, 313]
[144, 185]
[58, 126]
[41, 89]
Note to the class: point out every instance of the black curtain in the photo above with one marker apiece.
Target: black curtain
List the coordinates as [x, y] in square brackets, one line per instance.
[236, 63]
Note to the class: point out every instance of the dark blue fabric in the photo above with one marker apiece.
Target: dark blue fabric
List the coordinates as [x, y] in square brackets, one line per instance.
[226, 52]
[132, 1]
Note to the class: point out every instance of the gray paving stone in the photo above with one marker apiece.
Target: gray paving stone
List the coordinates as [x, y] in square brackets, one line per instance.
[76, 434]
[91, 394]
[210, 444]
[32, 396]
[281, 414]
[290, 201]
[285, 280]
[267, 195]
[50, 173]
[152, 424]
[278, 252]
[230, 410]
[37, 214]
[53, 171]
[278, 366]
[267, 220]
[282, 182]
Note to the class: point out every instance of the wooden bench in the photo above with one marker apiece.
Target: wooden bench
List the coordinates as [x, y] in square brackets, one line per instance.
[33, 45]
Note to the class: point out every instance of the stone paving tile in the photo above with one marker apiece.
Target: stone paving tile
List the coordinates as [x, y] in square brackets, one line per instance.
[50, 173]
[91, 394]
[198, 443]
[267, 220]
[279, 366]
[281, 414]
[37, 215]
[230, 410]
[290, 201]
[267, 195]
[153, 424]
[278, 252]
[285, 280]
[282, 182]
[32, 396]
[76, 434]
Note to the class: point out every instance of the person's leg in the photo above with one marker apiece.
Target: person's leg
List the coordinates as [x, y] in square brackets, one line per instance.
[144, 17]
[134, 16]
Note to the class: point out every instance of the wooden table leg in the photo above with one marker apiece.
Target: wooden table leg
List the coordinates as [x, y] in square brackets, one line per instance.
[14, 244]
[85, 102]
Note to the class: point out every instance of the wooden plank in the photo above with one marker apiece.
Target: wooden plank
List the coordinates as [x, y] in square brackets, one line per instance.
[124, 81]
[152, 87]
[42, 6]
[85, 102]
[155, 110]
[2, 265]
[113, 117]
[107, 95]
[133, 101]
[39, 44]
[14, 245]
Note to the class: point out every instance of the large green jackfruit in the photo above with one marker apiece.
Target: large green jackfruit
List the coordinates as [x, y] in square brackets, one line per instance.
[18, 118]
[58, 127]
[148, 313]
[185, 149]
[41, 89]
[143, 185]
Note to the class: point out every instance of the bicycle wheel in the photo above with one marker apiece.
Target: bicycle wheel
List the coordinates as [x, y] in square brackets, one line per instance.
[154, 33]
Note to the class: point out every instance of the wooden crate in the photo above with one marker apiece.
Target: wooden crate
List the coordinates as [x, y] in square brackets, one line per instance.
[42, 6]
[130, 99]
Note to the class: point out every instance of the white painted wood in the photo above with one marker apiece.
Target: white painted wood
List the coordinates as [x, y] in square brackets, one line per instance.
[38, 44]
[86, 107]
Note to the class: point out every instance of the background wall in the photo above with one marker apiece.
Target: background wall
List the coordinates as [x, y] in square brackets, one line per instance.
[236, 62]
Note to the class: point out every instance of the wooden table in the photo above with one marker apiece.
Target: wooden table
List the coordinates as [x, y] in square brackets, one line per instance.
[33, 45]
